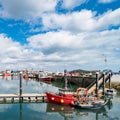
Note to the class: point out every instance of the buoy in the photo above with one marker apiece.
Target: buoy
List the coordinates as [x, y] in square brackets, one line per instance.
[52, 98]
[62, 101]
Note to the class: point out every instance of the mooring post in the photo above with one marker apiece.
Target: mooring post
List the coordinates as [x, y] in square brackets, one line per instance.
[97, 83]
[65, 78]
[103, 83]
[83, 82]
[109, 80]
[20, 87]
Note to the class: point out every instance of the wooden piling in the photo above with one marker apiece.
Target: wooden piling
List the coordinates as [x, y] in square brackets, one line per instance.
[109, 80]
[97, 83]
[103, 83]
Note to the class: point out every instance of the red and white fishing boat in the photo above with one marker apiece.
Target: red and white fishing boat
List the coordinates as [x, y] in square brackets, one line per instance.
[44, 77]
[6, 74]
[64, 95]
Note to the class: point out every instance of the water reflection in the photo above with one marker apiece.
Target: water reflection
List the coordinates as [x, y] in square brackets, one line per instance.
[44, 111]
[64, 111]
[10, 84]
[70, 112]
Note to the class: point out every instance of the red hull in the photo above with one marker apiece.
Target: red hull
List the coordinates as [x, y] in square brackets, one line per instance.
[63, 99]
[25, 77]
[6, 74]
[45, 78]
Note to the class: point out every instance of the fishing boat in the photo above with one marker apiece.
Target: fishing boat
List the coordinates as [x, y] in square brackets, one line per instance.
[91, 104]
[64, 95]
[44, 77]
[85, 101]
[6, 74]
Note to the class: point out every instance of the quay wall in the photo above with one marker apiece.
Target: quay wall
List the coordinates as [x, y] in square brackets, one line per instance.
[77, 80]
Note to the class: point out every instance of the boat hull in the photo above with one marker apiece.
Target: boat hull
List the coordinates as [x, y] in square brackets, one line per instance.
[63, 99]
[95, 105]
[89, 106]
[6, 74]
[45, 78]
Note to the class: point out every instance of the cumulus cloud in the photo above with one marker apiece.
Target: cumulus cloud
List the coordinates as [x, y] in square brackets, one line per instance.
[6, 44]
[110, 18]
[76, 21]
[70, 4]
[25, 9]
[78, 38]
[9, 51]
[54, 49]
[59, 40]
[84, 20]
[81, 49]
[13, 53]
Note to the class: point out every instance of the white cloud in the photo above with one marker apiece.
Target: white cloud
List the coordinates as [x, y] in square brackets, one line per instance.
[25, 9]
[84, 20]
[80, 38]
[106, 1]
[12, 52]
[81, 49]
[9, 50]
[6, 44]
[111, 18]
[75, 22]
[70, 4]
[50, 51]
[49, 40]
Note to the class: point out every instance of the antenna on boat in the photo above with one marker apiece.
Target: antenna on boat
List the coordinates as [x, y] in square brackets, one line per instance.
[105, 60]
[65, 78]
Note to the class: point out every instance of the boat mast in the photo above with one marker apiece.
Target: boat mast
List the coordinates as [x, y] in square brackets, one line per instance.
[105, 60]
[65, 78]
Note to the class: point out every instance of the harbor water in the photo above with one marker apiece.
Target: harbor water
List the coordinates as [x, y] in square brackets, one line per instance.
[49, 111]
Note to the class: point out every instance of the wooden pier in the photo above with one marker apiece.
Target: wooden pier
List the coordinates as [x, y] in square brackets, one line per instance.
[16, 98]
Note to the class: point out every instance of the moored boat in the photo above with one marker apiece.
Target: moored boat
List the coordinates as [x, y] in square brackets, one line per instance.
[91, 104]
[64, 95]
[6, 74]
[44, 77]
[85, 101]
[110, 92]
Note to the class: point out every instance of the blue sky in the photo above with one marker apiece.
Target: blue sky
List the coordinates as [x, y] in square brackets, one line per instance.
[55, 34]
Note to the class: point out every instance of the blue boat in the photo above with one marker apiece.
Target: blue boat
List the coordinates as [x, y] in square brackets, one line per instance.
[91, 104]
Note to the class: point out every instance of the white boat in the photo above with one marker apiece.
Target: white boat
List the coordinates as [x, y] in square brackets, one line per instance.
[110, 91]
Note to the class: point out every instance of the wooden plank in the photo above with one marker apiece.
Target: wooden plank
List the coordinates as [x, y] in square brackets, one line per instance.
[23, 95]
[28, 97]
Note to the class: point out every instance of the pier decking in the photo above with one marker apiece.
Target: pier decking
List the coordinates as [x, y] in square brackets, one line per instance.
[28, 97]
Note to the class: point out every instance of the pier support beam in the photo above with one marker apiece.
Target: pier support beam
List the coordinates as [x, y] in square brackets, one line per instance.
[20, 88]
[103, 83]
[109, 80]
[83, 82]
[65, 78]
[97, 75]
